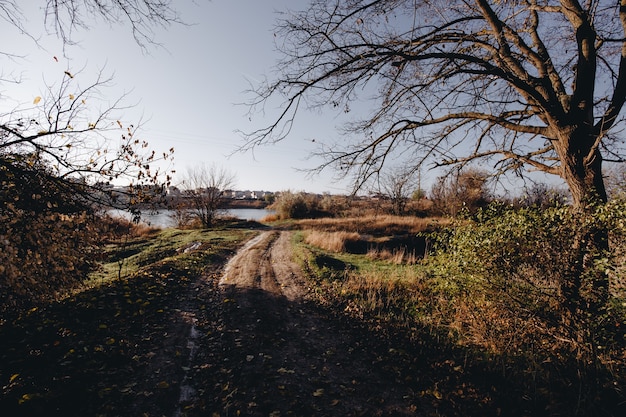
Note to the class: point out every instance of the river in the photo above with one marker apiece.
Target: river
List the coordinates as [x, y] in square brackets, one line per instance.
[162, 218]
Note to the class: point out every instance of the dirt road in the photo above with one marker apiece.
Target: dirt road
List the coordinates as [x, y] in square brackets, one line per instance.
[279, 354]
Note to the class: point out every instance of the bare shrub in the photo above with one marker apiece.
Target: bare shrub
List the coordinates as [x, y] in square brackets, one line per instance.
[289, 205]
[270, 218]
[463, 190]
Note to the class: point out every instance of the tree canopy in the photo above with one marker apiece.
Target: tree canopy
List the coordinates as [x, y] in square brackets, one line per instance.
[526, 84]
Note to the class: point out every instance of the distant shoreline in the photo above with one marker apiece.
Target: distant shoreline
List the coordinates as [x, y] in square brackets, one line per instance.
[243, 204]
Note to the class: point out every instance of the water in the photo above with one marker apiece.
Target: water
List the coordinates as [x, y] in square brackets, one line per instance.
[162, 218]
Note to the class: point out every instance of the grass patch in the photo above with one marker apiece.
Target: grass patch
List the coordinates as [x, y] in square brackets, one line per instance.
[130, 254]
[491, 289]
[332, 241]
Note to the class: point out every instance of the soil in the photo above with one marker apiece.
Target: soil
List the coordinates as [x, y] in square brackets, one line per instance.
[288, 357]
[278, 352]
[247, 339]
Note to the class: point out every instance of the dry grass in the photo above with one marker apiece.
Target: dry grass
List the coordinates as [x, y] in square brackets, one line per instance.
[270, 218]
[113, 228]
[398, 256]
[376, 225]
[387, 295]
[331, 241]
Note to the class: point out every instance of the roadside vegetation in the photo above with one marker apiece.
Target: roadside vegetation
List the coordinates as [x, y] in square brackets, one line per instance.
[496, 282]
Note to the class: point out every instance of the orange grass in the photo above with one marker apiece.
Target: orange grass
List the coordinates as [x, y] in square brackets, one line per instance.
[331, 241]
[398, 256]
[376, 225]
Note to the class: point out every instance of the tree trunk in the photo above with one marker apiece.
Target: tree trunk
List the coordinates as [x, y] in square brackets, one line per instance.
[585, 287]
[584, 179]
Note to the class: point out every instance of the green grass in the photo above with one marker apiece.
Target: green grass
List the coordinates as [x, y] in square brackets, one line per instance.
[127, 256]
[454, 297]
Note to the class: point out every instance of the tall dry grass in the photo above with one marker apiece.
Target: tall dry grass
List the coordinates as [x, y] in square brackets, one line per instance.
[331, 241]
[376, 225]
[398, 256]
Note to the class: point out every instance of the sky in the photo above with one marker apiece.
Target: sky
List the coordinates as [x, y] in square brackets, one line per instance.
[188, 91]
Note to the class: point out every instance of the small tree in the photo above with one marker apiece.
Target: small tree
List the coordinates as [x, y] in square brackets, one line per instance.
[397, 186]
[205, 188]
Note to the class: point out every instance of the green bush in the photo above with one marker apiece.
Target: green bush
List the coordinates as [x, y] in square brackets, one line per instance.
[515, 268]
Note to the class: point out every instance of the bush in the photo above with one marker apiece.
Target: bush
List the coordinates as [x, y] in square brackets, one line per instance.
[43, 255]
[506, 274]
[47, 236]
[300, 205]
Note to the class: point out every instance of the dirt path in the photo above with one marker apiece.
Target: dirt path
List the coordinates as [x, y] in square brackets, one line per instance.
[278, 354]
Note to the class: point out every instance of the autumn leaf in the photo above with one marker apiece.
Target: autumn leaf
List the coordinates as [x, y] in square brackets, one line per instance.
[37, 100]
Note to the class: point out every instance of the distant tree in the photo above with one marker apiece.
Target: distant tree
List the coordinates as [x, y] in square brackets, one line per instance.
[542, 195]
[204, 190]
[616, 181]
[418, 194]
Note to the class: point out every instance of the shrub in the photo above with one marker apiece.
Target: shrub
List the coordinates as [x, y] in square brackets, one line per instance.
[510, 269]
[42, 255]
[300, 205]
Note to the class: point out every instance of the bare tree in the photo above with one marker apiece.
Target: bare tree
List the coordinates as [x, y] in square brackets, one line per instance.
[59, 155]
[204, 191]
[397, 185]
[64, 130]
[532, 83]
[67, 17]
[76, 146]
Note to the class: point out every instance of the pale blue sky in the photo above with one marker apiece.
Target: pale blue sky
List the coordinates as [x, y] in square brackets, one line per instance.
[186, 92]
